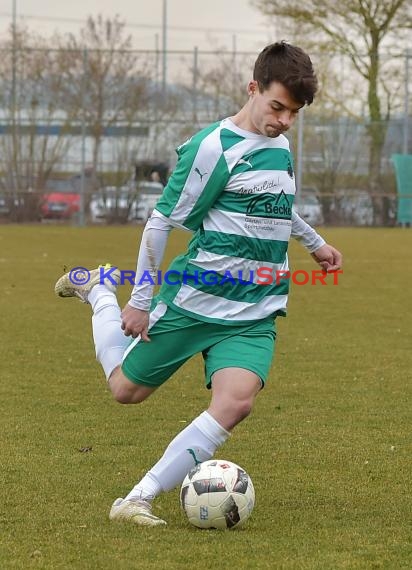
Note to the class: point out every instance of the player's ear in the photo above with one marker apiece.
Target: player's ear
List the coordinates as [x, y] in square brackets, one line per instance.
[252, 88]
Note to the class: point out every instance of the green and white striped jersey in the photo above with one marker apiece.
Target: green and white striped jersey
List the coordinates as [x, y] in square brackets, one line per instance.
[235, 190]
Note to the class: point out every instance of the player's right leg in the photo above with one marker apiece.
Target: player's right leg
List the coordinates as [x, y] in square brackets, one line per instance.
[97, 288]
[111, 344]
[147, 366]
[125, 391]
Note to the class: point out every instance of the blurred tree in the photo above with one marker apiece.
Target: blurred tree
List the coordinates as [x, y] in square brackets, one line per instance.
[358, 29]
[221, 84]
[32, 99]
[106, 81]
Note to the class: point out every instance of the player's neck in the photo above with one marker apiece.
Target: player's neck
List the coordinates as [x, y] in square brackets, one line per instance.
[242, 120]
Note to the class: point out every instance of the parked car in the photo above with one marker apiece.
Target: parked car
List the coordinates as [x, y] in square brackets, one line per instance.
[148, 195]
[19, 200]
[61, 199]
[308, 206]
[354, 207]
[4, 205]
[111, 204]
[129, 203]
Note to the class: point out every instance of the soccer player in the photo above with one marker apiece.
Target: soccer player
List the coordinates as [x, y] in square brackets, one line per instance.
[233, 187]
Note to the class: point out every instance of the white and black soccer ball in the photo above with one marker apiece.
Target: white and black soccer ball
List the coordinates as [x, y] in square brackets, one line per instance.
[217, 494]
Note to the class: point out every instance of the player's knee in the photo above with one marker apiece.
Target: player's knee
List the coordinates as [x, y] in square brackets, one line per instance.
[122, 397]
[125, 392]
[127, 396]
[120, 394]
[242, 409]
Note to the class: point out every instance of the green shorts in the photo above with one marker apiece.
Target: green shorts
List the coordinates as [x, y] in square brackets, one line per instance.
[176, 337]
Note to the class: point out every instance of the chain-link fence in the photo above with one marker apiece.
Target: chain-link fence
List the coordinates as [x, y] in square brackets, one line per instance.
[75, 125]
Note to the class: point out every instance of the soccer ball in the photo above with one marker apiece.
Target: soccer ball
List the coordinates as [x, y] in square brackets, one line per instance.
[217, 494]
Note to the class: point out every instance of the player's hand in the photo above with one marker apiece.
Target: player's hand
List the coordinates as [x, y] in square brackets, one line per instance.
[329, 258]
[135, 322]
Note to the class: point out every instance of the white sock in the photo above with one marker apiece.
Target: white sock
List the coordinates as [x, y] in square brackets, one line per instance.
[195, 444]
[109, 340]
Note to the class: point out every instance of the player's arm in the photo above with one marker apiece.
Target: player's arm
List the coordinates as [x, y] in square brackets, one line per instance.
[328, 257]
[135, 315]
[200, 175]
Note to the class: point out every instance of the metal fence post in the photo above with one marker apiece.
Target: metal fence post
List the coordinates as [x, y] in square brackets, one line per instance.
[408, 54]
[194, 86]
[234, 64]
[82, 216]
[164, 50]
[299, 151]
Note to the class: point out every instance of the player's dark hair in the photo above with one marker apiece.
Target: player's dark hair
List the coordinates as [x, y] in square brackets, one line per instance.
[290, 66]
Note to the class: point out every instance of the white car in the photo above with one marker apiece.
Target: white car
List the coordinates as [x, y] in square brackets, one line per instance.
[309, 207]
[148, 195]
[125, 203]
[111, 204]
[354, 207]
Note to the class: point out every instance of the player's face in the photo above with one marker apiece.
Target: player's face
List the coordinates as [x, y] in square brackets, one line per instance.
[273, 111]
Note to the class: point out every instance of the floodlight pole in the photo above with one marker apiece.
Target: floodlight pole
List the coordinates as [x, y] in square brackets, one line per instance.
[14, 91]
[82, 206]
[299, 151]
[194, 86]
[157, 98]
[164, 50]
[14, 47]
[408, 55]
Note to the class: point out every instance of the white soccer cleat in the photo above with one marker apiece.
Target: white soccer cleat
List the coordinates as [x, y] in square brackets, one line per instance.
[137, 512]
[79, 281]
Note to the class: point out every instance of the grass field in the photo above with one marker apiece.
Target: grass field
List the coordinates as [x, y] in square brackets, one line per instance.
[328, 445]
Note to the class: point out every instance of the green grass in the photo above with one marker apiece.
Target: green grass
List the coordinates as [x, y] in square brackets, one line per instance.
[328, 445]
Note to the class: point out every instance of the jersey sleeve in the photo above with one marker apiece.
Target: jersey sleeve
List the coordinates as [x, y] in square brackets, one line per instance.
[304, 233]
[201, 174]
[150, 256]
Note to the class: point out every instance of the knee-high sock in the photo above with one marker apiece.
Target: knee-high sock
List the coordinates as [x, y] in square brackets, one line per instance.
[109, 340]
[195, 444]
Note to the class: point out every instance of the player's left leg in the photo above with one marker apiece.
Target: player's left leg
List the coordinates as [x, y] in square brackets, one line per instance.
[233, 393]
[228, 353]
[236, 365]
[236, 370]
[195, 444]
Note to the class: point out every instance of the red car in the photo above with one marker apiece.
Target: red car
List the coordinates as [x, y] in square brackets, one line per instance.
[62, 197]
[61, 200]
